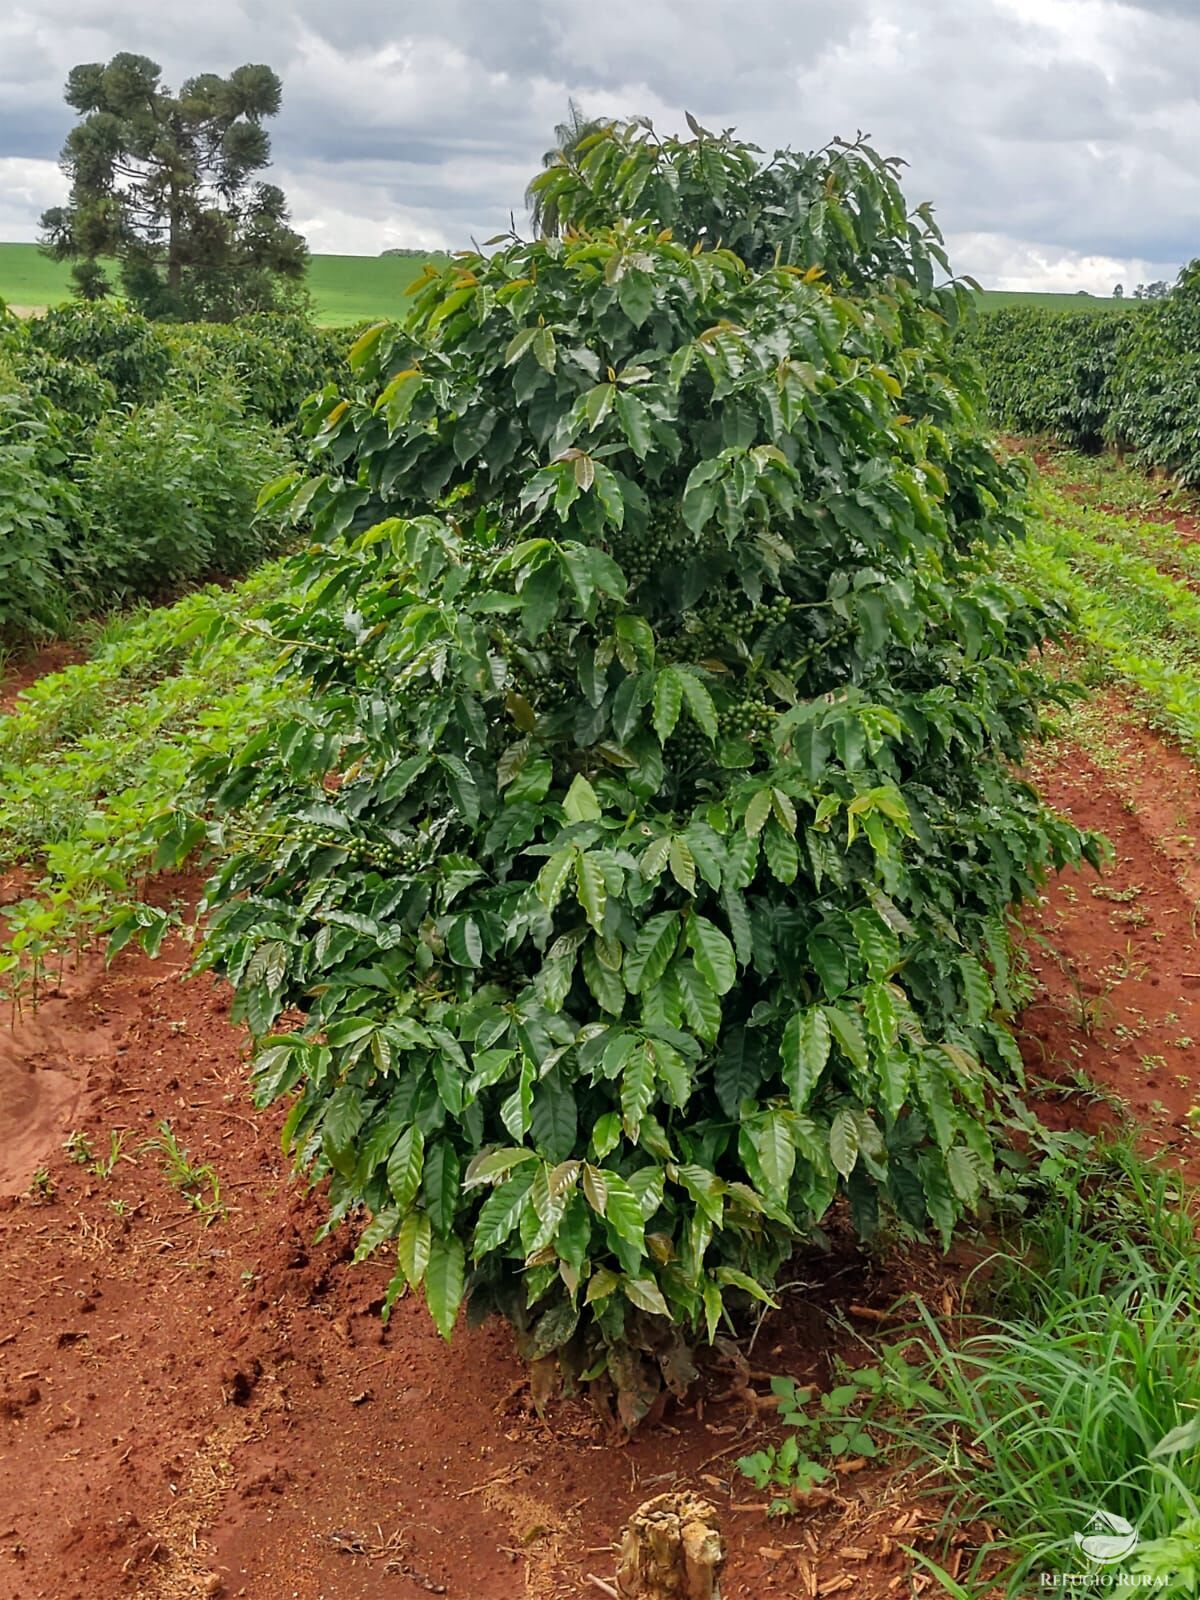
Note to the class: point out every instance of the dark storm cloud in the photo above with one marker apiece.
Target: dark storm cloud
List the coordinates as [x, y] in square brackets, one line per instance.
[1055, 137]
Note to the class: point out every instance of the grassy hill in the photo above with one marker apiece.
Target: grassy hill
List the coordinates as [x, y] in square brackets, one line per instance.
[353, 288]
[344, 288]
[995, 299]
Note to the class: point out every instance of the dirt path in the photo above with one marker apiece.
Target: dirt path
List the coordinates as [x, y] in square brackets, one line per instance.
[192, 1407]
[1118, 960]
[186, 1405]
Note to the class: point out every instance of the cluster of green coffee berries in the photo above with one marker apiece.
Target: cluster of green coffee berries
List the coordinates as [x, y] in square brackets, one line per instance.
[642, 553]
[747, 719]
[379, 853]
[688, 746]
[725, 614]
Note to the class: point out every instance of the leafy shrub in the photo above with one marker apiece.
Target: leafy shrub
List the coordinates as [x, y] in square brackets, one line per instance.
[39, 514]
[170, 491]
[276, 361]
[1131, 378]
[134, 453]
[1052, 371]
[75, 388]
[123, 348]
[641, 859]
[1156, 406]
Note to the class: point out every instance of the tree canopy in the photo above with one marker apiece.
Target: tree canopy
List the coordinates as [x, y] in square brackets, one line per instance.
[165, 185]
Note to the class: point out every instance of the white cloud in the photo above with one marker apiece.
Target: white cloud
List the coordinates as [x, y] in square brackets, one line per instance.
[1056, 138]
[1004, 263]
[27, 188]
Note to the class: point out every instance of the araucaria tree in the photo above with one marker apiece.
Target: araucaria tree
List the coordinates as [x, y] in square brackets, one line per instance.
[165, 184]
[640, 861]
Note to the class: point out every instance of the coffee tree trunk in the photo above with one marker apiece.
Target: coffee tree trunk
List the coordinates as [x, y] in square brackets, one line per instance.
[671, 1551]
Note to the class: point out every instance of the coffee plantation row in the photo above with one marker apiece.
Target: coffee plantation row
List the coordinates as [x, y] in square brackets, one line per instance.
[132, 453]
[1127, 378]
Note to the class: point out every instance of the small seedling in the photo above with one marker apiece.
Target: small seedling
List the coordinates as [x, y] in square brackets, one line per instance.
[42, 1186]
[833, 1427]
[78, 1147]
[199, 1184]
[103, 1166]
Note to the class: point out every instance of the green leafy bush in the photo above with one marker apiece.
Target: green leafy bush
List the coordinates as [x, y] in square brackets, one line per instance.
[133, 454]
[170, 491]
[1156, 407]
[75, 388]
[1052, 371]
[1129, 378]
[123, 348]
[275, 360]
[641, 858]
[39, 511]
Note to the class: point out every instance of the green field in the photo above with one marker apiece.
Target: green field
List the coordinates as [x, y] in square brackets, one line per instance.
[996, 299]
[29, 279]
[352, 288]
[344, 288]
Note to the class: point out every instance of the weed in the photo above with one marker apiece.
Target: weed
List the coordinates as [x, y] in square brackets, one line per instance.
[42, 1188]
[1079, 1082]
[833, 1427]
[95, 765]
[198, 1183]
[78, 1148]
[1078, 1389]
[104, 1166]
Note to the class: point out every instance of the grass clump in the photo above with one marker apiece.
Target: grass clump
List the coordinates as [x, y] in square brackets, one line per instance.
[1077, 1389]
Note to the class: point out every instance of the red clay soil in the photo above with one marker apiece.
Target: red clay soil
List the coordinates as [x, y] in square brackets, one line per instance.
[212, 1407]
[27, 668]
[1118, 958]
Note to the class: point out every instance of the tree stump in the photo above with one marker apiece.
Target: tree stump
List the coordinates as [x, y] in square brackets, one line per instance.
[671, 1550]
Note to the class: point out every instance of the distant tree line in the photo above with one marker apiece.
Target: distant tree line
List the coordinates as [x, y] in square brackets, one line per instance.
[1144, 291]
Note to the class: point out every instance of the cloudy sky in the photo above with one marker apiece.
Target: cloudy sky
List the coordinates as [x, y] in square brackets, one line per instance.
[1056, 138]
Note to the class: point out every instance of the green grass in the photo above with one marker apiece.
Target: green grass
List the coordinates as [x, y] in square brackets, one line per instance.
[1133, 586]
[998, 299]
[1076, 1389]
[29, 279]
[344, 288]
[354, 288]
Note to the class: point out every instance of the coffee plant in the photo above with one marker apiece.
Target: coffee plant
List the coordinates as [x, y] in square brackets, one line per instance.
[131, 452]
[640, 860]
[1050, 371]
[1129, 378]
[37, 509]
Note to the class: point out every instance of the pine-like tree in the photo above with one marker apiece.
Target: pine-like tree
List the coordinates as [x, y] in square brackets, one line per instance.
[165, 184]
